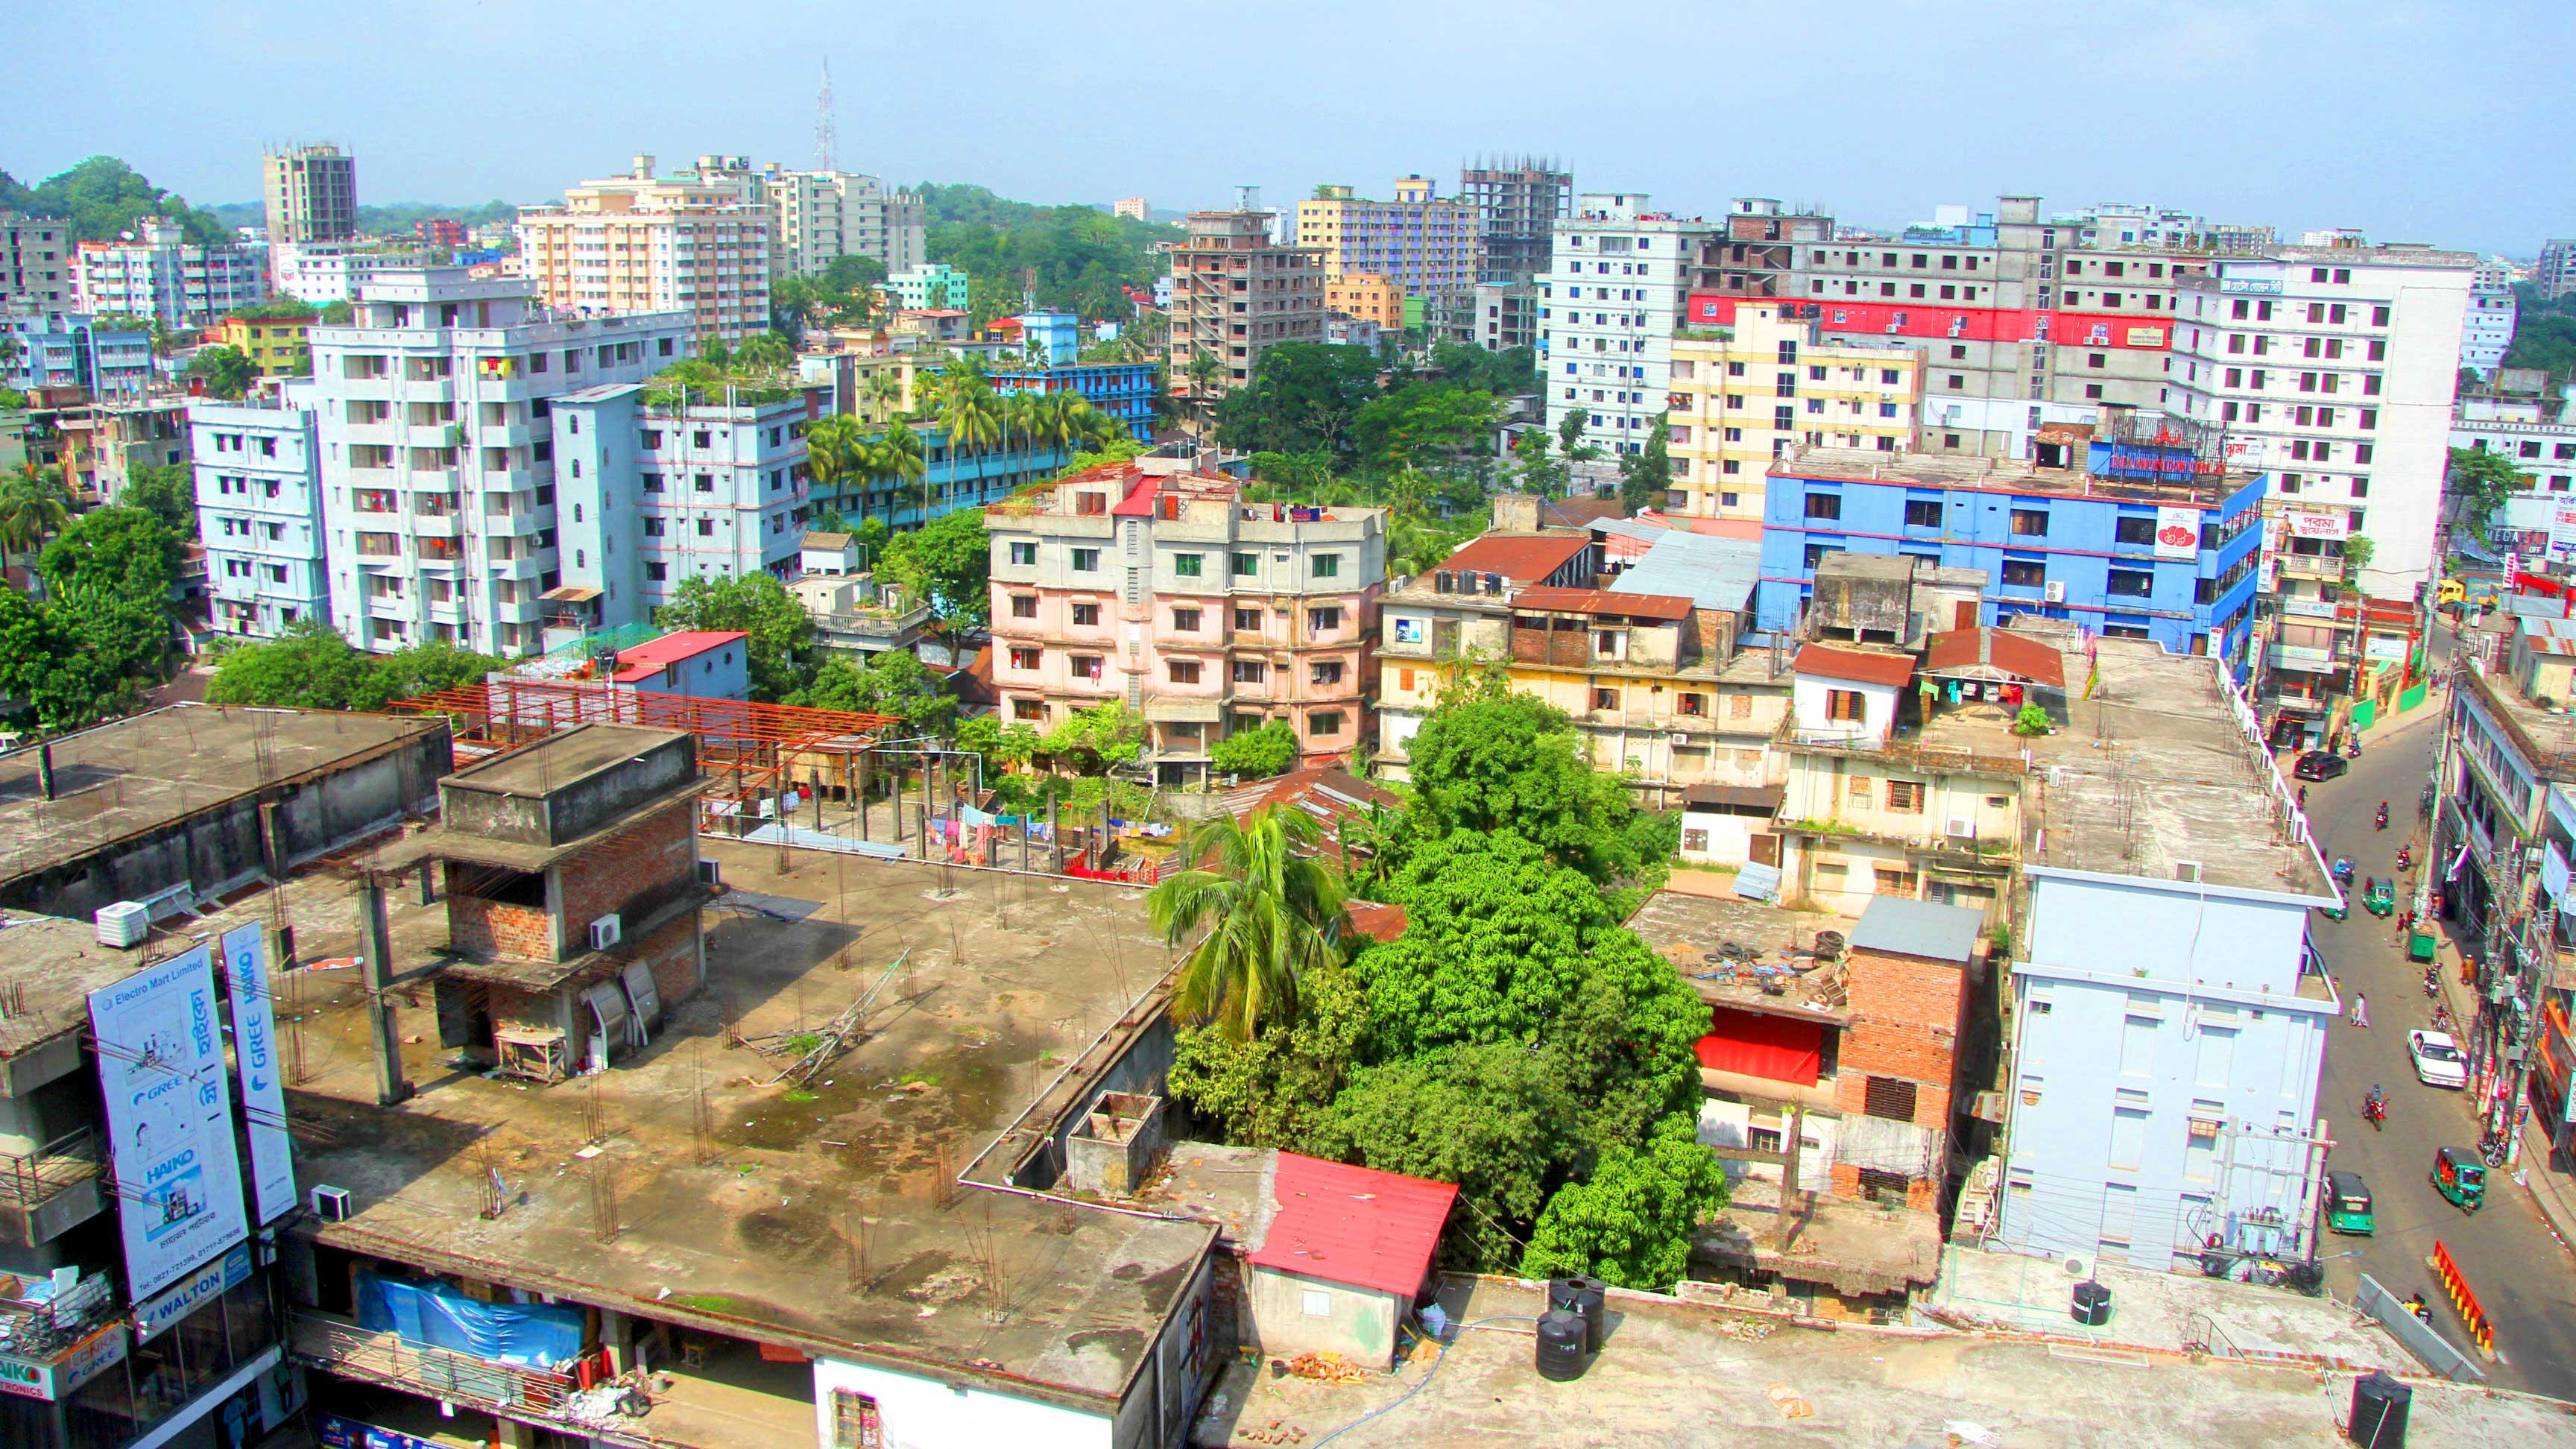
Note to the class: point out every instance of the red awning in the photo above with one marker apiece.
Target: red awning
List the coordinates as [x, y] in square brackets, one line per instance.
[1781, 1048]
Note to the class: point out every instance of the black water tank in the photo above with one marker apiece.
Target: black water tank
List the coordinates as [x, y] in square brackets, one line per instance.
[1594, 1305]
[2092, 1304]
[2379, 1405]
[1560, 1345]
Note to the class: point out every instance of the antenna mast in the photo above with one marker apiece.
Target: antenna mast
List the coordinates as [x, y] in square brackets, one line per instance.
[826, 135]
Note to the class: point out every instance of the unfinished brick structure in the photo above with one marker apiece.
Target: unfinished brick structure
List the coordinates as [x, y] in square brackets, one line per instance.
[1912, 963]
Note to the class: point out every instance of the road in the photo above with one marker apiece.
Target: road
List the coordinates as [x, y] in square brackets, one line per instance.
[2526, 1281]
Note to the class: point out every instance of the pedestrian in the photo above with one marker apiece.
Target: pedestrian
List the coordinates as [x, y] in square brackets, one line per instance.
[2360, 1010]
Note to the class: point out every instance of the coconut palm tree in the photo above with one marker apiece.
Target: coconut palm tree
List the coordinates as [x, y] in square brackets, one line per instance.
[32, 507]
[898, 458]
[885, 390]
[835, 452]
[1271, 910]
[970, 413]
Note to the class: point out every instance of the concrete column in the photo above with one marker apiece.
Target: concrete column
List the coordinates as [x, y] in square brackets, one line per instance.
[378, 974]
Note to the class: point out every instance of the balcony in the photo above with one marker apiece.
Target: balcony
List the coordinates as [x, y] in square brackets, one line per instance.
[2305, 659]
[2311, 565]
[350, 1351]
[51, 1190]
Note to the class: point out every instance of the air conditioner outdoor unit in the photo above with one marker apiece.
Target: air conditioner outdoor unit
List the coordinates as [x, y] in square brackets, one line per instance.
[331, 1204]
[1960, 827]
[2187, 870]
[606, 932]
[709, 874]
[1679, 738]
[2055, 591]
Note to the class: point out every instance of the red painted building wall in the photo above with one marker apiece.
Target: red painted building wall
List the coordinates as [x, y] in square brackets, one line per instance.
[1936, 319]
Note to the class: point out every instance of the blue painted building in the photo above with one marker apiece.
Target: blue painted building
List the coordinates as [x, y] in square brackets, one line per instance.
[2132, 543]
[1123, 390]
[952, 478]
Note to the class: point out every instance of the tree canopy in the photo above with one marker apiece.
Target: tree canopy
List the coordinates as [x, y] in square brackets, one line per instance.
[1258, 753]
[1491, 758]
[947, 564]
[1303, 396]
[2479, 482]
[895, 682]
[103, 196]
[1076, 258]
[780, 650]
[227, 372]
[312, 667]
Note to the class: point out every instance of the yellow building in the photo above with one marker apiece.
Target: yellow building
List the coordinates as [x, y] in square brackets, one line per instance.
[1368, 297]
[275, 345]
[697, 242]
[1425, 244]
[1743, 395]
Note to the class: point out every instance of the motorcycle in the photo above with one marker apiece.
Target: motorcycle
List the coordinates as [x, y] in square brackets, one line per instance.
[2432, 981]
[2382, 822]
[2405, 859]
[2492, 1148]
[2375, 1108]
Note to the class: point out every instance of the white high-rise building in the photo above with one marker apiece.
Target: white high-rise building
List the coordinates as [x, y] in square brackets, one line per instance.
[2488, 333]
[2333, 369]
[1607, 308]
[155, 271]
[259, 511]
[818, 217]
[697, 243]
[2555, 275]
[326, 272]
[433, 408]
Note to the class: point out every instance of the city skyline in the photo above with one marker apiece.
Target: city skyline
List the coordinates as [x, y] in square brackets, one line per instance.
[2187, 108]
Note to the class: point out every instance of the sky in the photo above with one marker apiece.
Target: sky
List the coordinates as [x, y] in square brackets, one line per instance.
[2440, 121]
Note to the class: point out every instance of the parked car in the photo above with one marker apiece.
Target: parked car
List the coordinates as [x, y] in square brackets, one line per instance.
[2437, 1059]
[2319, 765]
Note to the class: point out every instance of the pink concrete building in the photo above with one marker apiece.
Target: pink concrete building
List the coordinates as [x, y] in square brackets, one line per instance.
[1161, 588]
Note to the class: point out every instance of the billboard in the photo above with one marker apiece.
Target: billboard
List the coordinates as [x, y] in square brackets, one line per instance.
[169, 1120]
[2177, 532]
[2307, 523]
[272, 1163]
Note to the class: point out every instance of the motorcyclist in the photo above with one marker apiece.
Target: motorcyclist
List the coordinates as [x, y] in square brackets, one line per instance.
[2416, 1305]
[2376, 1104]
[2383, 815]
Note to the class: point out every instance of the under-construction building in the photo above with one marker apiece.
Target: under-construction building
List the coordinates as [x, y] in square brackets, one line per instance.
[1236, 294]
[1518, 199]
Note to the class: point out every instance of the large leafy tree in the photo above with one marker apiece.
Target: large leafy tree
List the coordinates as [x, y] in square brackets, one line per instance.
[1258, 753]
[947, 564]
[227, 372]
[167, 491]
[1631, 1220]
[1646, 475]
[103, 196]
[1424, 424]
[1493, 759]
[312, 667]
[1265, 910]
[895, 682]
[781, 650]
[33, 508]
[1302, 396]
[2480, 481]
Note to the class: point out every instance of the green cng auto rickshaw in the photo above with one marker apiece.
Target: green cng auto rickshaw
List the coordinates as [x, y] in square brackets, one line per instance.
[2460, 1177]
[2348, 1204]
[2419, 947]
[2379, 897]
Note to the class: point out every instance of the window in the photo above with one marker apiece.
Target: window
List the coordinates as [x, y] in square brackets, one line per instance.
[856, 1422]
[1890, 1099]
[1086, 560]
[1846, 706]
[2030, 522]
[1905, 796]
[2025, 573]
[1328, 565]
[1326, 671]
[1185, 621]
[1087, 615]
[2132, 583]
[1824, 505]
[1185, 671]
[1246, 565]
[1250, 671]
[1324, 620]
[2134, 530]
[1605, 699]
[1023, 658]
[1086, 666]
[1247, 621]
[1923, 513]
[1324, 722]
[1024, 554]
[1027, 709]
[1186, 565]
[1024, 606]
[1691, 706]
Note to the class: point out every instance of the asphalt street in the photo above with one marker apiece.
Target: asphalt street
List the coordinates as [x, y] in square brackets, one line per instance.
[2526, 1281]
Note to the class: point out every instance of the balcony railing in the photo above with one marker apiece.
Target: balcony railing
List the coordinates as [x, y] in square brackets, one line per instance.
[343, 1347]
[54, 1187]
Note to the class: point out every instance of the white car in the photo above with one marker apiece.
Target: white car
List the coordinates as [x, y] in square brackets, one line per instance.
[2437, 1059]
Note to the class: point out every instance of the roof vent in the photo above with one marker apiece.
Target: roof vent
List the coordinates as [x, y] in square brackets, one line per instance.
[2187, 870]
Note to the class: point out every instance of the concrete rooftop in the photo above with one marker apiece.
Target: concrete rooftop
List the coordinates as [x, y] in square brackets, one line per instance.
[145, 771]
[1688, 930]
[829, 1219]
[53, 965]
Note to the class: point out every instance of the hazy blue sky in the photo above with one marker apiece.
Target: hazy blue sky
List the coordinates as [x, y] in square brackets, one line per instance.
[2445, 122]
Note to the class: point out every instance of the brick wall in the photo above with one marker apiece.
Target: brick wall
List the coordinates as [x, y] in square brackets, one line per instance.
[645, 864]
[489, 928]
[1906, 1015]
[672, 955]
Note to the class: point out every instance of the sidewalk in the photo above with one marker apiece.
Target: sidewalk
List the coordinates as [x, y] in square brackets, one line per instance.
[2552, 1191]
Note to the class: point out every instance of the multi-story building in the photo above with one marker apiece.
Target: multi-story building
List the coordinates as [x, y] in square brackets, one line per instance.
[2536, 432]
[1427, 246]
[2555, 274]
[439, 233]
[104, 440]
[162, 275]
[276, 346]
[59, 349]
[326, 272]
[1745, 394]
[665, 486]
[1130, 208]
[1235, 295]
[928, 286]
[819, 217]
[1756, 254]
[1607, 313]
[1505, 315]
[1366, 297]
[312, 195]
[1052, 344]
[433, 407]
[696, 243]
[2333, 369]
[2169, 1018]
[2486, 335]
[1518, 202]
[2128, 532]
[35, 263]
[259, 512]
[1162, 589]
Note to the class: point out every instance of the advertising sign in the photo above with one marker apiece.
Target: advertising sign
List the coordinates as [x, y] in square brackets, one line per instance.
[2177, 532]
[2562, 532]
[2387, 648]
[206, 1284]
[272, 1162]
[65, 1372]
[2243, 452]
[169, 1120]
[338, 1433]
[2305, 523]
[2146, 337]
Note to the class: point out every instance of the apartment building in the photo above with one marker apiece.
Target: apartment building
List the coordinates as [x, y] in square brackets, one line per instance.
[2535, 431]
[1755, 254]
[434, 412]
[1131, 208]
[103, 440]
[2554, 276]
[656, 486]
[312, 195]
[258, 479]
[1428, 246]
[1122, 390]
[58, 349]
[1504, 315]
[333, 271]
[818, 217]
[1235, 295]
[2486, 335]
[928, 286]
[276, 346]
[1366, 297]
[35, 263]
[1607, 313]
[1743, 395]
[1164, 590]
[2333, 368]
[1518, 201]
[162, 275]
[695, 243]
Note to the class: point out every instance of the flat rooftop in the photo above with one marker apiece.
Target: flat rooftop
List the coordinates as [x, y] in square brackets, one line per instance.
[53, 965]
[2002, 475]
[1734, 953]
[143, 772]
[828, 1218]
[2547, 736]
[544, 766]
[1691, 1377]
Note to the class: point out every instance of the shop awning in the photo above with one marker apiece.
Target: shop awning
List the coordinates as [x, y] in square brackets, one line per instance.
[1779, 1048]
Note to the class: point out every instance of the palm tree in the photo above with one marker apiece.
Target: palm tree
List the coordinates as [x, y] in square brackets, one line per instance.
[897, 457]
[885, 389]
[969, 413]
[1272, 910]
[32, 506]
[835, 452]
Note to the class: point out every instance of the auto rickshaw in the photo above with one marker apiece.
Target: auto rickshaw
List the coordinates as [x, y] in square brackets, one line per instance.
[2419, 947]
[2460, 1177]
[2348, 1205]
[2380, 896]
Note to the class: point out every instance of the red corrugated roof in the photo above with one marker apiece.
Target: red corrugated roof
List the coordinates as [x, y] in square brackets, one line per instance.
[655, 655]
[1855, 664]
[1524, 558]
[1957, 649]
[1354, 1225]
[1377, 922]
[1139, 502]
[1602, 601]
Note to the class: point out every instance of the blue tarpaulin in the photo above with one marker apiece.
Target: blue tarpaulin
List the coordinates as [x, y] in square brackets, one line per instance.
[523, 1335]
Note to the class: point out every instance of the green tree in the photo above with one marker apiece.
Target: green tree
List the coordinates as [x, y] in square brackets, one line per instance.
[1265, 911]
[1508, 373]
[947, 564]
[1487, 1117]
[1302, 396]
[1276, 1088]
[1094, 739]
[421, 669]
[765, 352]
[780, 649]
[1489, 759]
[167, 491]
[2545, 340]
[125, 550]
[309, 667]
[1646, 476]
[1631, 1221]
[1423, 424]
[898, 460]
[1536, 470]
[33, 508]
[1256, 753]
[895, 682]
[836, 453]
[102, 196]
[2480, 481]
